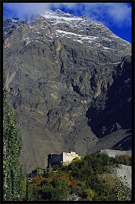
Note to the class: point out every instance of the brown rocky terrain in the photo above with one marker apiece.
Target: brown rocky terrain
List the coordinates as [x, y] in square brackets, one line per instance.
[69, 80]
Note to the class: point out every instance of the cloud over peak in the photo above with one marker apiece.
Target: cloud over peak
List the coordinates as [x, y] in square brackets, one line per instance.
[107, 13]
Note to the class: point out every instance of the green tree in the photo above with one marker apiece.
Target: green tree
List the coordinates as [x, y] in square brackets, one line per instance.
[123, 159]
[87, 194]
[60, 190]
[24, 187]
[122, 190]
[12, 174]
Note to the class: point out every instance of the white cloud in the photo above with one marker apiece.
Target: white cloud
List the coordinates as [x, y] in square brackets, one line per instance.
[107, 13]
[115, 13]
[120, 13]
[25, 9]
[67, 5]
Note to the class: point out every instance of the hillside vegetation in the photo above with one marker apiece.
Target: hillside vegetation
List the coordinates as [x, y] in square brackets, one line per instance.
[85, 179]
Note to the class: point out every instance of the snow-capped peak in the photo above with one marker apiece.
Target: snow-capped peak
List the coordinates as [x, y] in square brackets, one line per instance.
[59, 15]
[57, 24]
[57, 12]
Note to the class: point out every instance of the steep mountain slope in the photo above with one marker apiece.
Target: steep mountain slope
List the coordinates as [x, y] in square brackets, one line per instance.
[69, 80]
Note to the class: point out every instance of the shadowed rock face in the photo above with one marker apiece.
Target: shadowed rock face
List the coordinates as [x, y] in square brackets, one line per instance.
[117, 113]
[69, 80]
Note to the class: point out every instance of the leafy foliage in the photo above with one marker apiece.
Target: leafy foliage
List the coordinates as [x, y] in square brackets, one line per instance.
[122, 191]
[86, 178]
[12, 174]
[55, 187]
[123, 159]
[87, 194]
[90, 165]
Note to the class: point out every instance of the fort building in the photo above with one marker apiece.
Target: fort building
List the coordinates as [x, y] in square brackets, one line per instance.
[63, 158]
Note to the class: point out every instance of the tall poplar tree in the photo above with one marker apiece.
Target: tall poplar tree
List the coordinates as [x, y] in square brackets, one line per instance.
[12, 174]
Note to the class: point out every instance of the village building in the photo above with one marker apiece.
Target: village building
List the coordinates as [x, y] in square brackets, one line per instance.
[63, 158]
[114, 153]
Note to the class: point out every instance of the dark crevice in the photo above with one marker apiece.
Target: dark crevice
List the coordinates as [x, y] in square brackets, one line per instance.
[62, 69]
[77, 90]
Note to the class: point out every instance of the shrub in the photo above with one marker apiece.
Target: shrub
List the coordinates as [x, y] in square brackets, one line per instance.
[123, 159]
[122, 191]
[76, 159]
[126, 155]
[37, 180]
[60, 190]
[87, 194]
[73, 183]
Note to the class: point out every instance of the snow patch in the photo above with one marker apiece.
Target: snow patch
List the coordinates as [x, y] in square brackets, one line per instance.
[83, 37]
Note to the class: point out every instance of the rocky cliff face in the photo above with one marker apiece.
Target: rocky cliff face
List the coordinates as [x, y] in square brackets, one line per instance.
[69, 80]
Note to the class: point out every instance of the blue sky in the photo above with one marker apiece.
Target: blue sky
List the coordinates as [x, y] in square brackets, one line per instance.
[116, 16]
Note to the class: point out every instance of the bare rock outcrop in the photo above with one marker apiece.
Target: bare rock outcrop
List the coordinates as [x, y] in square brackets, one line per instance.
[69, 80]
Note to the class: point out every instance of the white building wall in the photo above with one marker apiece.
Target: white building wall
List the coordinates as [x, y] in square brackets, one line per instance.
[114, 153]
[64, 158]
[68, 157]
[124, 172]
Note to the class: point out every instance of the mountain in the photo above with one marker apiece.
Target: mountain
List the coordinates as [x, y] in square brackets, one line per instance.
[69, 81]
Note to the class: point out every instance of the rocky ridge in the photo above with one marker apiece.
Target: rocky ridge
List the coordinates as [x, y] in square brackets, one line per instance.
[69, 80]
